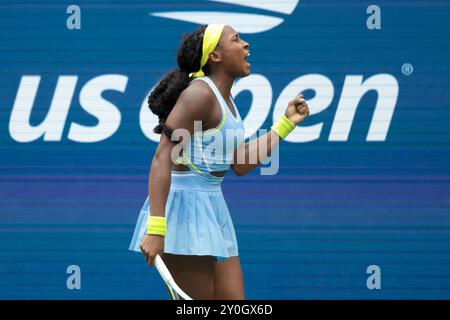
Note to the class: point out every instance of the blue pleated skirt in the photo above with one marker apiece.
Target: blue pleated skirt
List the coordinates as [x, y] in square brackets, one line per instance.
[198, 219]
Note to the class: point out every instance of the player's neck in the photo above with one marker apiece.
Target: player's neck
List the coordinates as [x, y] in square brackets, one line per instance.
[224, 83]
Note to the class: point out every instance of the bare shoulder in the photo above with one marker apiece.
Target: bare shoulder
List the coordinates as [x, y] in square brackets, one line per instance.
[197, 95]
[194, 103]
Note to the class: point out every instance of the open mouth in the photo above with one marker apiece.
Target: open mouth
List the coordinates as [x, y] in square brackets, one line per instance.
[246, 58]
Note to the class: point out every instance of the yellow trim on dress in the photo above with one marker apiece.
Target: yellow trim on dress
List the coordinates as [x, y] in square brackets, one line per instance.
[189, 161]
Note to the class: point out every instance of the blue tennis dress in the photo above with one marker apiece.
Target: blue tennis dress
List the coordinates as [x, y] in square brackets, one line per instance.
[198, 219]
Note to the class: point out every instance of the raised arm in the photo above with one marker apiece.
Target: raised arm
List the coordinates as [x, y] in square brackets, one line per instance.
[296, 111]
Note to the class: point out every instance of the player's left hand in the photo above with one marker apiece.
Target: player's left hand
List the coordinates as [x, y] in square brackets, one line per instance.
[297, 109]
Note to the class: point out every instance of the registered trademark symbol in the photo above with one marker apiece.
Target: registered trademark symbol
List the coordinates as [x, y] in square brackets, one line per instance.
[407, 69]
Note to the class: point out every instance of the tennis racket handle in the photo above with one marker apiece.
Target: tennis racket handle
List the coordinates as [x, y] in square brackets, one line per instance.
[162, 269]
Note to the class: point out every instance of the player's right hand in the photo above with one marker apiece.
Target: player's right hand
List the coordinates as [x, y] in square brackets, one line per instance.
[152, 245]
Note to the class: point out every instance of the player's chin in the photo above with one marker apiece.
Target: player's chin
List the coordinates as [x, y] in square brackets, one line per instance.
[247, 70]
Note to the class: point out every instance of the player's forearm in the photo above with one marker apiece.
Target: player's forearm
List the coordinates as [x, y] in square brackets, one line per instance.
[250, 155]
[159, 184]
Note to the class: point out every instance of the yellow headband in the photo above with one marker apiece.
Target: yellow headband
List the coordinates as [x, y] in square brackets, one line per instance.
[210, 40]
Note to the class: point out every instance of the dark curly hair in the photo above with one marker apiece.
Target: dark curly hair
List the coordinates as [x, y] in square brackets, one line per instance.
[163, 98]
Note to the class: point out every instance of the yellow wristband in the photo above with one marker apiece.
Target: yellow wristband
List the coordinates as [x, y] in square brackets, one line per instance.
[283, 126]
[157, 226]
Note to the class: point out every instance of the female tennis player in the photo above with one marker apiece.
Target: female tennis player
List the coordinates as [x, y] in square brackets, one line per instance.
[187, 221]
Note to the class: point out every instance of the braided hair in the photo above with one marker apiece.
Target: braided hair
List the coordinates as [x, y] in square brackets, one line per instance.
[163, 98]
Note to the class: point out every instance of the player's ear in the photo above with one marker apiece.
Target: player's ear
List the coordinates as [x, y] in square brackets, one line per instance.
[215, 56]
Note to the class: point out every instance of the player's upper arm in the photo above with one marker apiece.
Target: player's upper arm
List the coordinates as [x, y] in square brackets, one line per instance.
[194, 104]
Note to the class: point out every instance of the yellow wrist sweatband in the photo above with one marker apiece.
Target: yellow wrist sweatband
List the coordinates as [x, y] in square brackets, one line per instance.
[157, 225]
[283, 126]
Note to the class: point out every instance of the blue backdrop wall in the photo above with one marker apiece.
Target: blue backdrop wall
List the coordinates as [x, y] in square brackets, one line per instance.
[363, 181]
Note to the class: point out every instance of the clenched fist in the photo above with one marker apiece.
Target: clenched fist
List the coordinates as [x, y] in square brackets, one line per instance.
[297, 109]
